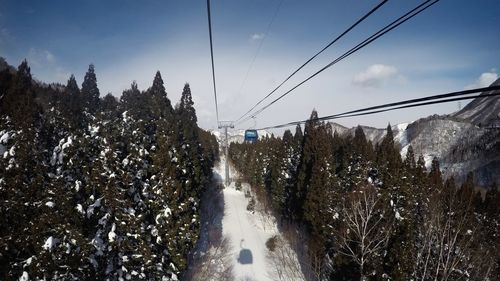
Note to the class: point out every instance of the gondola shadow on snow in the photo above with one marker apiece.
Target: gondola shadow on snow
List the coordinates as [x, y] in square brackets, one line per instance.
[245, 256]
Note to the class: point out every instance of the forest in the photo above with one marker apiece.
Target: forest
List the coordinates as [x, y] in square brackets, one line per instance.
[355, 210]
[100, 188]
[96, 188]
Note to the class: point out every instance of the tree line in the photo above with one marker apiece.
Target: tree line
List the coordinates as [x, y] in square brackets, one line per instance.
[98, 188]
[367, 213]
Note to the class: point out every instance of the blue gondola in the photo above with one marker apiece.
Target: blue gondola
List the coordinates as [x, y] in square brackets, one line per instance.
[251, 135]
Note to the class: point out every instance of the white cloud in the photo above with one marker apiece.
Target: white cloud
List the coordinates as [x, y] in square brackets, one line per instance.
[375, 76]
[257, 36]
[45, 66]
[41, 58]
[49, 56]
[36, 57]
[484, 80]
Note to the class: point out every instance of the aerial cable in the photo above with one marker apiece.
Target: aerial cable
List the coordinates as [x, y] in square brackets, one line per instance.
[382, 110]
[417, 10]
[315, 55]
[212, 56]
[420, 104]
[435, 99]
[259, 47]
[420, 8]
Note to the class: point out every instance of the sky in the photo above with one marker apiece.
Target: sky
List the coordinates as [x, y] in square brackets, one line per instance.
[452, 46]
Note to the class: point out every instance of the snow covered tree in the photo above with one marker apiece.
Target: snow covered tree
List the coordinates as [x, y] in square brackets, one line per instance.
[364, 230]
[101, 198]
[90, 92]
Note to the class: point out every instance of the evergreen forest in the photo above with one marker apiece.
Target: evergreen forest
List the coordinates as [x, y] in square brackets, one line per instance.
[96, 188]
[355, 210]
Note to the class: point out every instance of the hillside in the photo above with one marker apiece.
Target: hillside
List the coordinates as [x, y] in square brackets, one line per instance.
[465, 141]
[482, 112]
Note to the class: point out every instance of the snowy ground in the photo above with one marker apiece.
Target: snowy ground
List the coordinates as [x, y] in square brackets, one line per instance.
[248, 233]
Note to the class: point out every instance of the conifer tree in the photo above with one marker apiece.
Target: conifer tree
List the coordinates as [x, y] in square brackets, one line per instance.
[19, 100]
[74, 102]
[435, 177]
[160, 105]
[409, 162]
[90, 92]
[389, 160]
[307, 161]
[72, 87]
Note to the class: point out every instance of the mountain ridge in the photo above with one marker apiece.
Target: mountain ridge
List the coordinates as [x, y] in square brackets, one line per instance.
[464, 141]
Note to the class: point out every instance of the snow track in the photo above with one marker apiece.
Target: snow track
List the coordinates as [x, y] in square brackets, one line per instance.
[248, 233]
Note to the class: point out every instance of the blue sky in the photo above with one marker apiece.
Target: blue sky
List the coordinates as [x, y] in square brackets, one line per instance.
[451, 46]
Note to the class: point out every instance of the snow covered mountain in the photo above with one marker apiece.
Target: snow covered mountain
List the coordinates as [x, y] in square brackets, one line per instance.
[465, 141]
[482, 112]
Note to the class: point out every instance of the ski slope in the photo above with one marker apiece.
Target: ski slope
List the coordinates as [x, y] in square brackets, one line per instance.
[248, 233]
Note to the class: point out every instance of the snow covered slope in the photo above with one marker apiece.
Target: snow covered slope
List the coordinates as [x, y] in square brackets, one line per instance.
[460, 146]
[482, 112]
[466, 141]
[248, 233]
[375, 135]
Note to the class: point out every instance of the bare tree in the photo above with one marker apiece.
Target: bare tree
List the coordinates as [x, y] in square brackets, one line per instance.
[284, 261]
[364, 229]
[215, 264]
[211, 259]
[448, 248]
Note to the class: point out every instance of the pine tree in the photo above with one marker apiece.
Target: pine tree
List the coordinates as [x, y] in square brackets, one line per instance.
[435, 177]
[19, 100]
[90, 92]
[389, 160]
[73, 107]
[110, 104]
[72, 87]
[304, 169]
[409, 162]
[159, 104]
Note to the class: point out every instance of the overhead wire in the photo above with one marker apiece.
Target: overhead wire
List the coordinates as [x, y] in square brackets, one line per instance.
[412, 13]
[429, 100]
[315, 55]
[212, 57]
[260, 46]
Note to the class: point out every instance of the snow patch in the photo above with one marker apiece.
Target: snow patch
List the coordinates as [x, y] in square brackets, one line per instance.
[12, 151]
[77, 186]
[4, 138]
[24, 277]
[398, 216]
[50, 204]
[112, 234]
[124, 116]
[90, 209]
[50, 243]
[93, 130]
[58, 152]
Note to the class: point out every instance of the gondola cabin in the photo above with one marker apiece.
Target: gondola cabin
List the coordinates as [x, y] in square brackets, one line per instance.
[251, 135]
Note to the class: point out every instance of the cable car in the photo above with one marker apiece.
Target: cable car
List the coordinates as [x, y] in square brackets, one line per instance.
[251, 135]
